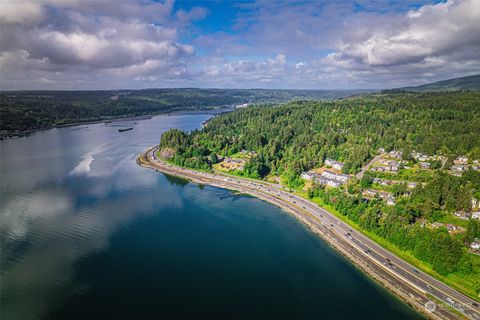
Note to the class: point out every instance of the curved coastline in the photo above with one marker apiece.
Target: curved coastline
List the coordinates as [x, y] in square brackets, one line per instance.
[412, 286]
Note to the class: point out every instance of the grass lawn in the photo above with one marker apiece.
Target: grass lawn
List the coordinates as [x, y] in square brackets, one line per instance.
[449, 218]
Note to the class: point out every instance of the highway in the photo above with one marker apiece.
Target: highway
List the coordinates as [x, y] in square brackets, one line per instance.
[414, 286]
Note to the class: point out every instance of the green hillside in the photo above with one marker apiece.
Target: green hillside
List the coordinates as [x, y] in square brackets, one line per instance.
[463, 83]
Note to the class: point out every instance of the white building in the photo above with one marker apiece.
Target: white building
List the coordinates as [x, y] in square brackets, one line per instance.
[462, 215]
[475, 203]
[329, 182]
[396, 154]
[459, 168]
[335, 176]
[424, 165]
[461, 160]
[334, 164]
[307, 175]
[411, 185]
[475, 245]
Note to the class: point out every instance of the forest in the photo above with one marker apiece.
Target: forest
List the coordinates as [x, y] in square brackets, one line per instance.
[28, 110]
[291, 138]
[298, 136]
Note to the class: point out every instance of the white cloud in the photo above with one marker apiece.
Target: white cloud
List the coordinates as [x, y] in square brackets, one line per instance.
[92, 38]
[241, 72]
[17, 12]
[424, 37]
[97, 44]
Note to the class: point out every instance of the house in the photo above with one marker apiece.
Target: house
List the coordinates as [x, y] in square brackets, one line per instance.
[475, 203]
[461, 160]
[307, 175]
[329, 182]
[376, 180]
[232, 163]
[411, 185]
[381, 150]
[451, 227]
[393, 169]
[416, 155]
[384, 182]
[475, 245]
[370, 193]
[476, 215]
[389, 169]
[395, 154]
[310, 175]
[462, 215]
[424, 165]
[331, 179]
[388, 162]
[420, 156]
[334, 164]
[436, 225]
[390, 200]
[335, 176]
[458, 168]
[386, 196]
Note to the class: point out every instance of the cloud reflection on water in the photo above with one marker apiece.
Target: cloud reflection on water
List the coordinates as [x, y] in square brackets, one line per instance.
[52, 216]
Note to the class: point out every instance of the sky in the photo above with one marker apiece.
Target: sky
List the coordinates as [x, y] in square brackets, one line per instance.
[364, 44]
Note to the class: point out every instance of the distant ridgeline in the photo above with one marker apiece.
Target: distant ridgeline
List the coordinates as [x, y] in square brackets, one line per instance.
[463, 83]
[420, 192]
[28, 110]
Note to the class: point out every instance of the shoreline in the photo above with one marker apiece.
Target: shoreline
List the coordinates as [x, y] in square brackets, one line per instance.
[25, 133]
[402, 287]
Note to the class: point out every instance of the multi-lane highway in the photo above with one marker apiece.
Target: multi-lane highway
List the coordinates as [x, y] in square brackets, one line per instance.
[414, 286]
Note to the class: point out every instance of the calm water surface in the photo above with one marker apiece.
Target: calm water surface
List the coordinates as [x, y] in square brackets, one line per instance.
[88, 234]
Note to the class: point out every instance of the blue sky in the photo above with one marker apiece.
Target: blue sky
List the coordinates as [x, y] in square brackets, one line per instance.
[74, 44]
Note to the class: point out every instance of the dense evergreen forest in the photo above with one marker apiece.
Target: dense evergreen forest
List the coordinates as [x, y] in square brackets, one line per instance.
[28, 110]
[298, 136]
[289, 139]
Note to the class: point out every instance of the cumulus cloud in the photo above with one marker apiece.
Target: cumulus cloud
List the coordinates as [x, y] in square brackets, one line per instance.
[92, 38]
[423, 35]
[434, 40]
[350, 44]
[246, 70]
[332, 45]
